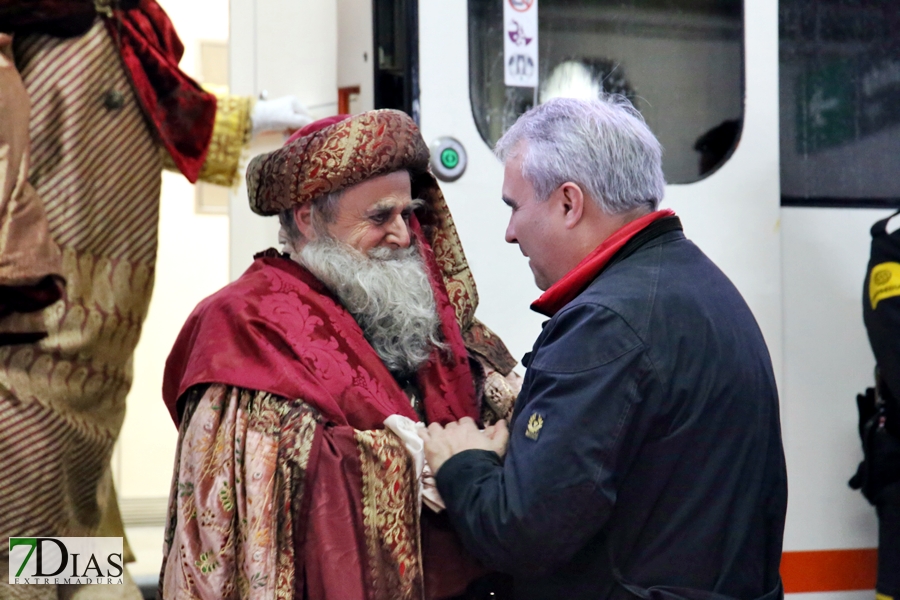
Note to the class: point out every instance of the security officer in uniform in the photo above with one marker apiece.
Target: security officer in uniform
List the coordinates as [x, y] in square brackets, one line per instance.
[878, 475]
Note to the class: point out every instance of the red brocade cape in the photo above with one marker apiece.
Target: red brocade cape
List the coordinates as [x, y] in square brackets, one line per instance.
[278, 329]
[181, 113]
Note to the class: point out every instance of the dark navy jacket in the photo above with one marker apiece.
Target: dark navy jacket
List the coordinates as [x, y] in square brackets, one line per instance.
[645, 441]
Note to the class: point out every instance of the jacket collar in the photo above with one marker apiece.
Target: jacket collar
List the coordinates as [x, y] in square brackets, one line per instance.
[608, 252]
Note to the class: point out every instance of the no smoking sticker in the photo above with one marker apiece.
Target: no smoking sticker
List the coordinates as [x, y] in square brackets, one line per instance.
[520, 43]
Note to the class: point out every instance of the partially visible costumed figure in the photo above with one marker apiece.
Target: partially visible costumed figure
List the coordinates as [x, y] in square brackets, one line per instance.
[109, 108]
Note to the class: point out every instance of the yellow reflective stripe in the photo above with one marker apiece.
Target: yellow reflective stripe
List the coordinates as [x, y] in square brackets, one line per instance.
[884, 282]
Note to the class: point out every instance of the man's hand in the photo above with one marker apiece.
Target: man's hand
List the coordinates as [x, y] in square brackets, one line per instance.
[443, 442]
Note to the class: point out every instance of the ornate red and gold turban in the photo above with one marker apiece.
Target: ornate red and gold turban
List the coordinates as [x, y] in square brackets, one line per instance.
[332, 154]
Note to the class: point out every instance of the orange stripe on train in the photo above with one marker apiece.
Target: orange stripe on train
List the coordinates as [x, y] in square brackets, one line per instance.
[829, 570]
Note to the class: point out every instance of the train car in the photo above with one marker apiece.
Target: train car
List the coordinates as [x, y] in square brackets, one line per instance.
[780, 123]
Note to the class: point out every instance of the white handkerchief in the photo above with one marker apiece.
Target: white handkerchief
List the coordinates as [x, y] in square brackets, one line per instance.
[405, 429]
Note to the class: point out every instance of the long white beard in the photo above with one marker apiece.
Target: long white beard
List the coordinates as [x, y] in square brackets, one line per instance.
[387, 292]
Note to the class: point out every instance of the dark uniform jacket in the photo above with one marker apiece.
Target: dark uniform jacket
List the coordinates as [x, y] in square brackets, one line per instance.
[645, 447]
[879, 408]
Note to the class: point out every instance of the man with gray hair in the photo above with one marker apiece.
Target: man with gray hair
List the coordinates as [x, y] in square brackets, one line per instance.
[644, 456]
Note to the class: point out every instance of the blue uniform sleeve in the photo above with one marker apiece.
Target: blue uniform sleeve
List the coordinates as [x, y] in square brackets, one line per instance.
[571, 439]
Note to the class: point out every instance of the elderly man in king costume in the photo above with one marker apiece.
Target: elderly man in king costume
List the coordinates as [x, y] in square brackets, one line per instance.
[289, 482]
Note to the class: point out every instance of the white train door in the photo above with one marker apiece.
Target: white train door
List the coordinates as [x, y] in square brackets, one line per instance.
[799, 268]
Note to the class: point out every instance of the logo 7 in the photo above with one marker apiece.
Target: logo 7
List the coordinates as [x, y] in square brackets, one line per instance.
[23, 542]
[35, 544]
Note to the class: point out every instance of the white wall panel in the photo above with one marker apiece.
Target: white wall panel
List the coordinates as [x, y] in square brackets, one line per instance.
[827, 362]
[355, 58]
[279, 47]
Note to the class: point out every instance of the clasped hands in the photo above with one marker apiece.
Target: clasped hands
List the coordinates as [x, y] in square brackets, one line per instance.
[443, 442]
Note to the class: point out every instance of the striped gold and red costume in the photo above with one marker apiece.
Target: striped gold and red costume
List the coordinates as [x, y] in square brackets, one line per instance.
[96, 166]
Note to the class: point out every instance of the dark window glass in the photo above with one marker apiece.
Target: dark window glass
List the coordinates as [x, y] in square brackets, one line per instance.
[679, 61]
[840, 102]
[396, 36]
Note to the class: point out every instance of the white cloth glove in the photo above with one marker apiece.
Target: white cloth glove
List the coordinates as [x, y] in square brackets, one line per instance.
[280, 114]
[405, 429]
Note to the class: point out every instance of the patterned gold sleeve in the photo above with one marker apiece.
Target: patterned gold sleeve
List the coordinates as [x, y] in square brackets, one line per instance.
[500, 393]
[230, 134]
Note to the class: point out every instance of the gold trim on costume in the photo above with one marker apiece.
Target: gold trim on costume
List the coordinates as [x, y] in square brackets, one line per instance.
[231, 133]
[500, 395]
[104, 7]
[390, 516]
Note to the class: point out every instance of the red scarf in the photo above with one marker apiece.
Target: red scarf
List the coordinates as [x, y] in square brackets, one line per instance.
[182, 113]
[278, 329]
[575, 281]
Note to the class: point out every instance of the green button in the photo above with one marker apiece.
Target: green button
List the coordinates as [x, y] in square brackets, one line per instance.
[449, 158]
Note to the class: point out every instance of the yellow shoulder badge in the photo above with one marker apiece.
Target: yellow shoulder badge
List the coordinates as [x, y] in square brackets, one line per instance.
[535, 422]
[884, 282]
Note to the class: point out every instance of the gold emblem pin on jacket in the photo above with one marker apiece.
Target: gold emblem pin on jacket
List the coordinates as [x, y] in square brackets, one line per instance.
[535, 422]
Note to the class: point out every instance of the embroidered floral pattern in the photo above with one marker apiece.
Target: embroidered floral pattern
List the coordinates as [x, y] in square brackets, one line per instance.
[241, 461]
[390, 516]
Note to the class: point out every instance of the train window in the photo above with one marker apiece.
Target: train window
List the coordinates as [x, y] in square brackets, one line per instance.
[840, 102]
[679, 61]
